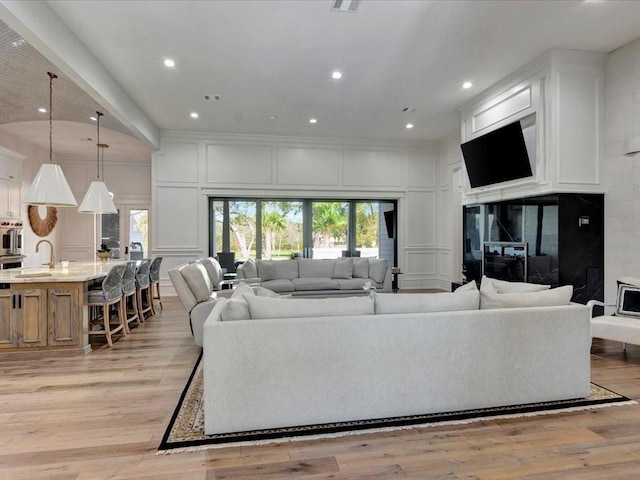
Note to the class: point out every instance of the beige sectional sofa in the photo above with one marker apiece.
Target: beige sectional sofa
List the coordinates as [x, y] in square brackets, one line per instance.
[319, 277]
[289, 362]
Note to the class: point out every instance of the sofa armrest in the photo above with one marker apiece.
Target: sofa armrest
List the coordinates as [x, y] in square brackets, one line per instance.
[598, 303]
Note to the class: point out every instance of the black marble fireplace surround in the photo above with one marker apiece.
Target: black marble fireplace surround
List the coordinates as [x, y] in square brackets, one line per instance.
[563, 235]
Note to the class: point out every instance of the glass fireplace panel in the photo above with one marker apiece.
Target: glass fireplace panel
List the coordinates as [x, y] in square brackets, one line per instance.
[505, 261]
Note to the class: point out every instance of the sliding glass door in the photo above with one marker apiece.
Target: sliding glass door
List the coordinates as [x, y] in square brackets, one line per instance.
[283, 228]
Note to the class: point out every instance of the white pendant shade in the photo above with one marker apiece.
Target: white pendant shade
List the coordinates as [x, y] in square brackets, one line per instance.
[97, 200]
[50, 187]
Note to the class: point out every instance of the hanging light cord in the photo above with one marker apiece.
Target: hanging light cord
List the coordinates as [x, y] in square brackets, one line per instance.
[98, 145]
[51, 77]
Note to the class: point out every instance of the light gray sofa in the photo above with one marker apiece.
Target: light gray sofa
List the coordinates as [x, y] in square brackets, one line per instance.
[310, 277]
[342, 359]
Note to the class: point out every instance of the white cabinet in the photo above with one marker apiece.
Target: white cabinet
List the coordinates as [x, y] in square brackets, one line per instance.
[10, 183]
[559, 100]
[10, 168]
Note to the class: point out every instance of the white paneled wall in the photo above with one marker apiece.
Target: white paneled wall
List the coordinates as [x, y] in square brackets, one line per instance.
[190, 167]
[621, 173]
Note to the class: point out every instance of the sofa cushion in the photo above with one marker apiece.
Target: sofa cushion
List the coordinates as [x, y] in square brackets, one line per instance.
[320, 283]
[377, 269]
[360, 268]
[343, 268]
[470, 286]
[287, 269]
[502, 286]
[182, 288]
[628, 299]
[264, 292]
[249, 269]
[352, 283]
[386, 303]
[198, 280]
[316, 268]
[235, 309]
[279, 286]
[242, 289]
[263, 269]
[262, 307]
[545, 298]
[214, 270]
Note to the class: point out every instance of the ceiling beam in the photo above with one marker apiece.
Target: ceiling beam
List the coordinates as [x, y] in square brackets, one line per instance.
[39, 25]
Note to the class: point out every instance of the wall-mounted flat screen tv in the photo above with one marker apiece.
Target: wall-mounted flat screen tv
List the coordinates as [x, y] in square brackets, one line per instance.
[497, 156]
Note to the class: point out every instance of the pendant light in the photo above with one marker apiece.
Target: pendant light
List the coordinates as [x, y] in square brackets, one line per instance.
[50, 187]
[98, 199]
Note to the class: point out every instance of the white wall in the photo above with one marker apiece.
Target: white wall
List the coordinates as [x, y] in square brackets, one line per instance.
[190, 167]
[621, 173]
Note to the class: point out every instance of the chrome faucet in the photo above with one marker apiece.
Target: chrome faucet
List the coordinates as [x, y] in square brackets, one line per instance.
[52, 259]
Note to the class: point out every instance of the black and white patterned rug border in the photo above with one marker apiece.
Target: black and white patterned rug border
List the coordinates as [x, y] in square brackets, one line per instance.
[174, 439]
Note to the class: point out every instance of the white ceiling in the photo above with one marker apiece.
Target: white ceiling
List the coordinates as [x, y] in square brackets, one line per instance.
[275, 57]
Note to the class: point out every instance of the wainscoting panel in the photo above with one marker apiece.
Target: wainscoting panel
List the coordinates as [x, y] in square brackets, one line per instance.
[514, 102]
[443, 227]
[578, 147]
[444, 265]
[178, 163]
[421, 219]
[178, 209]
[374, 167]
[127, 179]
[421, 169]
[421, 263]
[239, 164]
[308, 166]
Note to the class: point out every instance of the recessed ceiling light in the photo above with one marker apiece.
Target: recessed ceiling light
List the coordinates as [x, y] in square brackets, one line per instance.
[42, 110]
[313, 120]
[169, 63]
[466, 85]
[409, 125]
[273, 117]
[336, 75]
[93, 119]
[194, 115]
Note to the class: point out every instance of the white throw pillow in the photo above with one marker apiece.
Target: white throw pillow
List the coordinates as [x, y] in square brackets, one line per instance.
[470, 286]
[198, 280]
[263, 267]
[502, 286]
[545, 298]
[360, 268]
[265, 292]
[377, 270]
[235, 309]
[343, 268]
[242, 289]
[264, 307]
[249, 269]
[386, 303]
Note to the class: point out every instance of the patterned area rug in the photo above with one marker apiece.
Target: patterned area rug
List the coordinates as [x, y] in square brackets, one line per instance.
[186, 428]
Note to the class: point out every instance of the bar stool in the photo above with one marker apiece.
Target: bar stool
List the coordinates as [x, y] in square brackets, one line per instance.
[110, 294]
[142, 289]
[154, 280]
[129, 296]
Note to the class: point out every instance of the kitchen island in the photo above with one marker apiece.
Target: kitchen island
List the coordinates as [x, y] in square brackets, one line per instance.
[45, 309]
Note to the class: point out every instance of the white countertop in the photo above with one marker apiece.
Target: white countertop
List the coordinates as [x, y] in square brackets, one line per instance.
[77, 272]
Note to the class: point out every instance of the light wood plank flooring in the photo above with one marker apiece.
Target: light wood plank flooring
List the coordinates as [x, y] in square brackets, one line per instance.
[101, 416]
